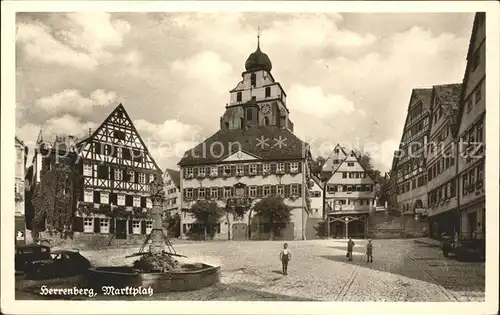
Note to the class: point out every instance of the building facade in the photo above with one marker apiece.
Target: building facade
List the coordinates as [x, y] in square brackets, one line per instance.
[411, 175]
[349, 196]
[441, 160]
[19, 191]
[172, 182]
[471, 135]
[254, 154]
[107, 177]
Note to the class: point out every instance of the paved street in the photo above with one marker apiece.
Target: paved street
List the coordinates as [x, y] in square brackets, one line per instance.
[403, 270]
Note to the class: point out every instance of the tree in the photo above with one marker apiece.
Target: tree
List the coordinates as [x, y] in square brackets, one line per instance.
[317, 164]
[207, 213]
[173, 224]
[273, 211]
[54, 199]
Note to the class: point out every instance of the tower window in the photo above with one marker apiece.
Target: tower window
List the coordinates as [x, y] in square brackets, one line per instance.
[268, 91]
[227, 124]
[266, 121]
[238, 97]
[253, 79]
[249, 114]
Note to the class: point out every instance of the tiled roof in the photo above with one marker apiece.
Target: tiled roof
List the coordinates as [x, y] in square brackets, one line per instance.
[175, 176]
[260, 141]
[425, 95]
[449, 98]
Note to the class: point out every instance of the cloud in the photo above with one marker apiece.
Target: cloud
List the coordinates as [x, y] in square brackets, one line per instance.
[207, 66]
[82, 40]
[40, 45]
[63, 125]
[313, 99]
[71, 101]
[169, 140]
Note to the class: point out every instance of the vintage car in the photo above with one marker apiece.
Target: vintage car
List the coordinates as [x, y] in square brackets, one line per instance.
[63, 263]
[28, 254]
[463, 247]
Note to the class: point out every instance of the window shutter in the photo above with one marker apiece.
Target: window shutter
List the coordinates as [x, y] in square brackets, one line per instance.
[300, 189]
[300, 166]
[233, 170]
[97, 225]
[195, 193]
[207, 171]
[247, 191]
[259, 169]
[130, 230]
[111, 173]
[246, 169]
[112, 225]
[273, 168]
[129, 200]
[287, 191]
[143, 202]
[136, 177]
[287, 167]
[112, 198]
[220, 170]
[273, 190]
[143, 227]
[220, 192]
[97, 197]
[195, 171]
[77, 224]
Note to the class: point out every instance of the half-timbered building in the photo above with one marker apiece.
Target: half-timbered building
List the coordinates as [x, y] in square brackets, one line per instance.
[441, 160]
[114, 168]
[254, 154]
[349, 196]
[470, 136]
[411, 173]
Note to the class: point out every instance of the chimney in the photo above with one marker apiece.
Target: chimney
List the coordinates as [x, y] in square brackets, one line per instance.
[90, 131]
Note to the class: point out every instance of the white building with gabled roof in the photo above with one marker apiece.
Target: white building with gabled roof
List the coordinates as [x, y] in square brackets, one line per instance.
[349, 195]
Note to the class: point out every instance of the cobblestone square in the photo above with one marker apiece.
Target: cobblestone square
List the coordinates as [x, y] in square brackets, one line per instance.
[402, 270]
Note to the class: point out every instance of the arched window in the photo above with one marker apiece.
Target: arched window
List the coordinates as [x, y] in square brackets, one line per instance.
[266, 121]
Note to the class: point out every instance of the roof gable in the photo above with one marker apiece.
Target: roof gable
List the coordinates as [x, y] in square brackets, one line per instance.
[174, 175]
[118, 120]
[350, 164]
[240, 156]
[338, 154]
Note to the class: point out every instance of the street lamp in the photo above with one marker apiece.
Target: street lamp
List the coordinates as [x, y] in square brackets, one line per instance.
[346, 219]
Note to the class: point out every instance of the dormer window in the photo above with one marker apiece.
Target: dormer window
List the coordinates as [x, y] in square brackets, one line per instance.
[238, 97]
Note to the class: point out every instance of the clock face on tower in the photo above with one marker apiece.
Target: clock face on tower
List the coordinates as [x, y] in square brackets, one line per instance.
[265, 110]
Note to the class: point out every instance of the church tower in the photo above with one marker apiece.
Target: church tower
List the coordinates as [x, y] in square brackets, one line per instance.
[258, 100]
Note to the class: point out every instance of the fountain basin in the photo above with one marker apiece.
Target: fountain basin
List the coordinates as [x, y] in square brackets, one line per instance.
[187, 278]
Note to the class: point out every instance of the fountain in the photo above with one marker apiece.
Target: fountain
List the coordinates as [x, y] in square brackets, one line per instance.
[157, 267]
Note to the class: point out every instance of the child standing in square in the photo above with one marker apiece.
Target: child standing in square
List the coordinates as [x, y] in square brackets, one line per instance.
[285, 257]
[369, 251]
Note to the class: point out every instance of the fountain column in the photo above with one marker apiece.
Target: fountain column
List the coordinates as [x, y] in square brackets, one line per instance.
[157, 241]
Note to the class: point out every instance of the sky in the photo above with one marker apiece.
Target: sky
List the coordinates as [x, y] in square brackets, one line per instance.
[348, 77]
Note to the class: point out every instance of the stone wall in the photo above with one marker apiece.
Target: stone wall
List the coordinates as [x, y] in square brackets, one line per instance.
[384, 225]
[87, 240]
[312, 228]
